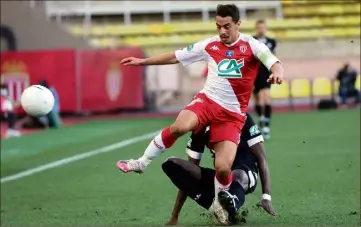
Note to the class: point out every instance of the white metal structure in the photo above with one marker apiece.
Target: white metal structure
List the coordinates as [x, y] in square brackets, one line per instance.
[127, 8]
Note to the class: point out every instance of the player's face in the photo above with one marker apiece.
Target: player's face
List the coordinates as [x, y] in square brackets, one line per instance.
[261, 29]
[227, 29]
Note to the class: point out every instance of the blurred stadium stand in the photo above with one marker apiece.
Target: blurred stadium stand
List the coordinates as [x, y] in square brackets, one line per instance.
[33, 31]
[314, 38]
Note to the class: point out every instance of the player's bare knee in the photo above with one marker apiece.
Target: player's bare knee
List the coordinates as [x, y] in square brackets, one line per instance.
[267, 97]
[222, 170]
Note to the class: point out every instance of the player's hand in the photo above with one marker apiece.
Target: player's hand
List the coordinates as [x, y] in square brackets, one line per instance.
[275, 79]
[267, 206]
[132, 61]
[173, 221]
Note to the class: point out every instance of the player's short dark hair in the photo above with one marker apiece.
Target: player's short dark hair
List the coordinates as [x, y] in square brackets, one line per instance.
[260, 21]
[228, 10]
[3, 86]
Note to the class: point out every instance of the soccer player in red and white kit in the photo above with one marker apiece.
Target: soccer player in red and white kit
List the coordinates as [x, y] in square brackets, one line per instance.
[233, 60]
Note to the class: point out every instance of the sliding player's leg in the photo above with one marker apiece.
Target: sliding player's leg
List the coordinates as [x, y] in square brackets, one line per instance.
[197, 183]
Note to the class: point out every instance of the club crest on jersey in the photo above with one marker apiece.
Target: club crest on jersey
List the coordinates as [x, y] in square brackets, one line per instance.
[230, 68]
[229, 53]
[243, 48]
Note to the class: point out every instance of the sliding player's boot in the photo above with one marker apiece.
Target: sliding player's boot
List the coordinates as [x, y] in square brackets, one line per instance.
[131, 165]
[219, 212]
[227, 201]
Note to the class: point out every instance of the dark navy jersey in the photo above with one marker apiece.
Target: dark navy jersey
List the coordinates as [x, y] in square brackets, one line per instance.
[271, 44]
[250, 135]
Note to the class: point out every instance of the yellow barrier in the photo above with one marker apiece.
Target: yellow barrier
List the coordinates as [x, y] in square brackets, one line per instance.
[209, 27]
[309, 10]
[185, 39]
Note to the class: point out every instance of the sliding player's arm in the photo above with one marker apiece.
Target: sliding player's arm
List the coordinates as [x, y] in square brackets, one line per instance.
[185, 56]
[254, 138]
[195, 149]
[268, 59]
[259, 152]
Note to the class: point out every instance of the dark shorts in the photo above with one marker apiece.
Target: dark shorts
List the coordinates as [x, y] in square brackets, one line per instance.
[200, 188]
[261, 82]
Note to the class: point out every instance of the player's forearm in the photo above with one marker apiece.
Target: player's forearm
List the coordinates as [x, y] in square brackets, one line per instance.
[162, 59]
[259, 153]
[181, 198]
[265, 177]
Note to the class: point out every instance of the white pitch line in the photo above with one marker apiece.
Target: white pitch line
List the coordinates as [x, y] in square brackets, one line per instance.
[78, 157]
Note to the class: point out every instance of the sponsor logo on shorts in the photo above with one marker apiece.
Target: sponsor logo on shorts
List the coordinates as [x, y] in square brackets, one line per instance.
[254, 130]
[190, 47]
[195, 101]
[198, 196]
[158, 146]
[189, 142]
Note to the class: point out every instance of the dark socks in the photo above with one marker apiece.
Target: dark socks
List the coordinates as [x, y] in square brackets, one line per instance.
[237, 190]
[267, 115]
[258, 110]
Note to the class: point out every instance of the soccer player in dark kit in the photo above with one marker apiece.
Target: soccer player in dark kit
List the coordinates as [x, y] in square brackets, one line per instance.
[261, 91]
[198, 182]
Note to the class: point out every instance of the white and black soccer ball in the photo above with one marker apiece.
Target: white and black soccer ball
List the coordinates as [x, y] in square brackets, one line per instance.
[37, 100]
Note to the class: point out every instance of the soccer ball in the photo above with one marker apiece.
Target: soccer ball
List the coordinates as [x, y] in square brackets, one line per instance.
[37, 100]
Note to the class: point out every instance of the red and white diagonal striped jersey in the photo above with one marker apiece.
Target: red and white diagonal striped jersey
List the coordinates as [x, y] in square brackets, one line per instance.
[232, 69]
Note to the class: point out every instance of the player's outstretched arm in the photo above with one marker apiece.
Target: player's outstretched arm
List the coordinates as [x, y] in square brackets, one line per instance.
[161, 59]
[268, 59]
[181, 198]
[258, 152]
[277, 74]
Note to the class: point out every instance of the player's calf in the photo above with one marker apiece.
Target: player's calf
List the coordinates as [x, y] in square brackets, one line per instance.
[225, 153]
[185, 122]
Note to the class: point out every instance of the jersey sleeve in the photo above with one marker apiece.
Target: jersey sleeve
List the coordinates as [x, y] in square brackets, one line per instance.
[251, 132]
[192, 53]
[197, 143]
[263, 53]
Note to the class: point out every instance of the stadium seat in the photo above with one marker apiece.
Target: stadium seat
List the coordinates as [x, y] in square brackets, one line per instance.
[321, 87]
[280, 91]
[358, 82]
[300, 88]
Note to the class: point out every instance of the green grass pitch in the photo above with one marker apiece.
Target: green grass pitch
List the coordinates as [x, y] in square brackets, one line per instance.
[314, 159]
